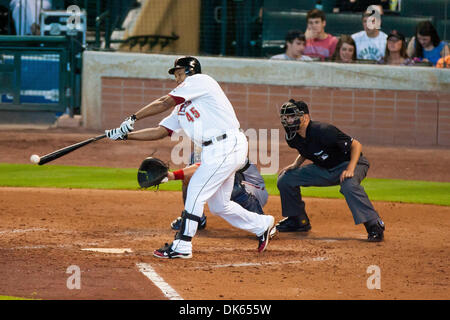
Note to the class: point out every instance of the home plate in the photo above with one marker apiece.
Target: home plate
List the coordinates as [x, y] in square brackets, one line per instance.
[109, 250]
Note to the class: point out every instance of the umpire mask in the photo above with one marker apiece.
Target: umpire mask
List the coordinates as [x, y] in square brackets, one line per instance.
[290, 114]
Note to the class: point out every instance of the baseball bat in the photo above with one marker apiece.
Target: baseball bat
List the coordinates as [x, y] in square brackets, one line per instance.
[61, 152]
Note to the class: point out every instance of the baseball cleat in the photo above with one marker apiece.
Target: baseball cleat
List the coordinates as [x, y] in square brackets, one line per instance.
[166, 252]
[265, 237]
[176, 224]
[376, 232]
[293, 224]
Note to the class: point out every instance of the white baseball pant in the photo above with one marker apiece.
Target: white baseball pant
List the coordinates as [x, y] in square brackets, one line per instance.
[212, 183]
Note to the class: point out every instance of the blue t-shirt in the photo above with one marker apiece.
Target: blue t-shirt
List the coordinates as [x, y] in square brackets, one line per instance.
[434, 55]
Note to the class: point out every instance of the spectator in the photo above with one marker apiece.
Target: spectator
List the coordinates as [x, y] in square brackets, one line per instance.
[318, 43]
[345, 50]
[370, 42]
[426, 45]
[294, 46]
[26, 14]
[396, 51]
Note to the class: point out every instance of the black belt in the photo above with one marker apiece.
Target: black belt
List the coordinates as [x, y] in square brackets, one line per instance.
[219, 138]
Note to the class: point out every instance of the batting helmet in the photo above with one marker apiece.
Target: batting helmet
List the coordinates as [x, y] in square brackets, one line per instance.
[294, 109]
[190, 64]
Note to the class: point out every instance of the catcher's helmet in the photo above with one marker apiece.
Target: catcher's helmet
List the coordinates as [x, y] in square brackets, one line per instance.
[190, 64]
[294, 109]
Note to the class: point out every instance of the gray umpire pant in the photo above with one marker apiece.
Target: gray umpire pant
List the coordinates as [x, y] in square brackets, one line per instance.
[289, 184]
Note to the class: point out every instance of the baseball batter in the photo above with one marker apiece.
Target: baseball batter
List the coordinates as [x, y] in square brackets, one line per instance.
[202, 110]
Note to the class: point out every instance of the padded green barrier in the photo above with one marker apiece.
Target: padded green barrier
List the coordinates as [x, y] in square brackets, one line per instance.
[405, 25]
[303, 5]
[439, 9]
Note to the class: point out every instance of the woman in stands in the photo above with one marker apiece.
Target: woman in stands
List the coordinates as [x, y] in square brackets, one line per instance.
[426, 45]
[396, 51]
[345, 50]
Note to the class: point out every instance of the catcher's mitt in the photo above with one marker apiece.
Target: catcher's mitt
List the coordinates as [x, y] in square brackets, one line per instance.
[152, 172]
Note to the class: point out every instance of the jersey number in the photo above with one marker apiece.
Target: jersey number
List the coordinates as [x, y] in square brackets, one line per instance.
[194, 113]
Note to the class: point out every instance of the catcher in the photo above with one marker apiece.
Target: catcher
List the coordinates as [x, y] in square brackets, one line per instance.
[249, 188]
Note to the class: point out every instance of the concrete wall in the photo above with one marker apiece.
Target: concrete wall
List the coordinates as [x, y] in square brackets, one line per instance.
[375, 104]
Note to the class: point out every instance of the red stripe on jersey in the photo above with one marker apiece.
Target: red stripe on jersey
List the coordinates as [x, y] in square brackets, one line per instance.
[178, 100]
[168, 130]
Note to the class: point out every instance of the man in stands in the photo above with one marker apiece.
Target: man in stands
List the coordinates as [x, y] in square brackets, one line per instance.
[370, 42]
[294, 46]
[319, 44]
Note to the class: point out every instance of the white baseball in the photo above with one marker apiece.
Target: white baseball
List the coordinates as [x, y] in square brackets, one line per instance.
[35, 158]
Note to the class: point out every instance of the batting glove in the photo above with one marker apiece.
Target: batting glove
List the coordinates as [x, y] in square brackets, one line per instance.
[116, 134]
[128, 125]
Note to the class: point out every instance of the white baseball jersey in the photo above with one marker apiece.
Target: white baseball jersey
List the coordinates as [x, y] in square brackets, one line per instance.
[203, 111]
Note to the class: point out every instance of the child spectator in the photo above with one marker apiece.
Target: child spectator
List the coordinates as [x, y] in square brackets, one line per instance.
[345, 50]
[318, 43]
[294, 47]
[396, 51]
[426, 46]
[370, 42]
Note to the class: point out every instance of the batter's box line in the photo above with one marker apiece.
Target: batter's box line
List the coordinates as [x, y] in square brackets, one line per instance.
[22, 230]
[259, 264]
[148, 271]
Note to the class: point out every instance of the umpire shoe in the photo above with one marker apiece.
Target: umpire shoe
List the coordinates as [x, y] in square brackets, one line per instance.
[176, 224]
[266, 236]
[166, 252]
[293, 224]
[376, 231]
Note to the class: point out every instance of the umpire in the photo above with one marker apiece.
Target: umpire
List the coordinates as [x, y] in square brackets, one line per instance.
[337, 159]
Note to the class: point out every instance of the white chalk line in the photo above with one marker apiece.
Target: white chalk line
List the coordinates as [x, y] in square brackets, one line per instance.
[22, 230]
[166, 289]
[260, 264]
[109, 250]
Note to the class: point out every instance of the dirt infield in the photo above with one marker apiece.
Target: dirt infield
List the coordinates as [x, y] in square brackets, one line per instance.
[43, 232]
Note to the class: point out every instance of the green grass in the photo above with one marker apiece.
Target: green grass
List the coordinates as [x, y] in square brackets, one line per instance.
[24, 175]
[12, 298]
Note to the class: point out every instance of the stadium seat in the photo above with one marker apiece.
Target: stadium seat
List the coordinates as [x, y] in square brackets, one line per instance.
[439, 9]
[277, 23]
[299, 5]
[275, 26]
[343, 23]
[443, 29]
[405, 25]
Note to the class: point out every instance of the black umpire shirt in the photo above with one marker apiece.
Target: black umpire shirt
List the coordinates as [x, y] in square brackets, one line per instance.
[325, 145]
